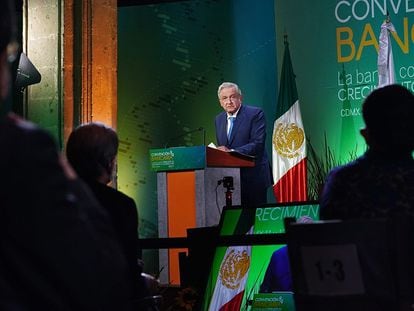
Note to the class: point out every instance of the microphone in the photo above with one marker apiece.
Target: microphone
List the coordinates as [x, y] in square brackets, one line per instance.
[199, 129]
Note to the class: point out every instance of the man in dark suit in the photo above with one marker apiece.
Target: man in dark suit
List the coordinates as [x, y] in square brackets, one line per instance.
[91, 150]
[242, 128]
[57, 246]
[278, 276]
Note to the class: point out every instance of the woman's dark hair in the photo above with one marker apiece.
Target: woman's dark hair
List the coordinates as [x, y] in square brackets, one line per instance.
[91, 149]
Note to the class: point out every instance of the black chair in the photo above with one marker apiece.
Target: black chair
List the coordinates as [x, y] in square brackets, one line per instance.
[352, 265]
[150, 303]
[153, 300]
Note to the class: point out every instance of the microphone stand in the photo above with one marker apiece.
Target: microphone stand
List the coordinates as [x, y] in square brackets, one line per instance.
[228, 184]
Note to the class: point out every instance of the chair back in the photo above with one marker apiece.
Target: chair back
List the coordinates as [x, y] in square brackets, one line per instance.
[349, 265]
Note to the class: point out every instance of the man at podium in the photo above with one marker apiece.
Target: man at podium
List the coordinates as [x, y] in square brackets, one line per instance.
[242, 128]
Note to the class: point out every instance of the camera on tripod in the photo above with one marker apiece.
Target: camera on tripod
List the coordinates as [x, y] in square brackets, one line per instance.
[228, 182]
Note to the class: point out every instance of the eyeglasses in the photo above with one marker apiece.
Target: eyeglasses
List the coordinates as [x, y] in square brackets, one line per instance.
[232, 97]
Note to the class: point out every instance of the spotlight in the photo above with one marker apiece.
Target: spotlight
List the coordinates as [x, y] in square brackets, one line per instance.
[27, 73]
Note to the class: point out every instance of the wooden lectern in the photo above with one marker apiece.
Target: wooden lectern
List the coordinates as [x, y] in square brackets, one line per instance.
[190, 193]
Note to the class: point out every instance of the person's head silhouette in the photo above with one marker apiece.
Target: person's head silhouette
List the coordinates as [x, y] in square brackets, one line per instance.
[388, 113]
[91, 150]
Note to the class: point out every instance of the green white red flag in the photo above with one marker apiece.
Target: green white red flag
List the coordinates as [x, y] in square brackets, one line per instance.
[289, 140]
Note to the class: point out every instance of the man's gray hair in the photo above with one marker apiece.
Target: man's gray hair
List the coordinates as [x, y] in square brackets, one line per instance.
[226, 85]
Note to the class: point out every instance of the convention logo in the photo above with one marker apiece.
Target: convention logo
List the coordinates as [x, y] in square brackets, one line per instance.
[288, 139]
[234, 268]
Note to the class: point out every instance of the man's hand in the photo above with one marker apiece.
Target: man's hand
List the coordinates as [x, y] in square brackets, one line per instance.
[223, 148]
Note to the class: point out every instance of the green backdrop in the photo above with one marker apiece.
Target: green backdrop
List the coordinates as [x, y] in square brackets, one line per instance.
[330, 40]
[171, 59]
[173, 56]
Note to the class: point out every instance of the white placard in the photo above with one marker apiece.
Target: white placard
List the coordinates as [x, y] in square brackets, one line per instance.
[332, 270]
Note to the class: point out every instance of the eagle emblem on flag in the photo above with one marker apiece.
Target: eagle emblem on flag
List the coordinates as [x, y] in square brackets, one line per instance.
[234, 267]
[288, 139]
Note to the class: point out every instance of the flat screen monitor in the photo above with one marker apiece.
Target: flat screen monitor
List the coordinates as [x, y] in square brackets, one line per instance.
[238, 272]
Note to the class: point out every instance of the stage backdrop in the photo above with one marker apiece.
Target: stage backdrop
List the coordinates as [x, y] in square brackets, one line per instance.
[171, 59]
[334, 46]
[173, 56]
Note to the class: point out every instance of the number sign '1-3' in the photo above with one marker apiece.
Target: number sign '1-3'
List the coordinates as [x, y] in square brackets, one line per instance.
[332, 270]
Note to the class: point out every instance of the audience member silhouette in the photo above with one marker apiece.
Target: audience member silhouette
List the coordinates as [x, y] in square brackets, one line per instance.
[380, 183]
[58, 249]
[91, 150]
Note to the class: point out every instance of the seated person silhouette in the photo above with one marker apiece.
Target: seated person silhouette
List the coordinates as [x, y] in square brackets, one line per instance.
[380, 183]
[91, 150]
[57, 244]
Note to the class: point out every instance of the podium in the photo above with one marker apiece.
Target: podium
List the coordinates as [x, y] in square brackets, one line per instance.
[190, 193]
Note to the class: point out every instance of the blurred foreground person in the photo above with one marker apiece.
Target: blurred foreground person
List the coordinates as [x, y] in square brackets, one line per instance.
[91, 150]
[58, 249]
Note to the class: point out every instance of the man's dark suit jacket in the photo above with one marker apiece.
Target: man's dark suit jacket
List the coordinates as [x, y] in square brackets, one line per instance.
[278, 276]
[58, 249]
[248, 137]
[123, 213]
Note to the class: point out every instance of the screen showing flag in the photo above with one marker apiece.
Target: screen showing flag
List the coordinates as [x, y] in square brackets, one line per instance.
[238, 273]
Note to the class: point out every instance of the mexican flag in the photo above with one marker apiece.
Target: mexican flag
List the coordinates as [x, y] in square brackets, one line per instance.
[233, 273]
[234, 270]
[289, 141]
[386, 74]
